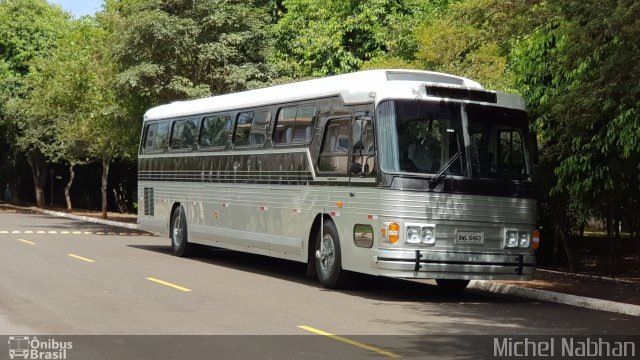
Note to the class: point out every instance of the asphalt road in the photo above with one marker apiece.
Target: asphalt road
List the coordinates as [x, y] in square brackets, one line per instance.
[64, 277]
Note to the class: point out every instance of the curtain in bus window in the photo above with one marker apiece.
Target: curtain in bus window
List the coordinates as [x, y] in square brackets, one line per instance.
[387, 137]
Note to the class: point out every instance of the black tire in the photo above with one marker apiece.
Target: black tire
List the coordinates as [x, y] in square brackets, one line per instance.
[452, 287]
[329, 264]
[180, 245]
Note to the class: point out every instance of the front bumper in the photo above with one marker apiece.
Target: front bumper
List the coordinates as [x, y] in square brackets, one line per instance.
[443, 264]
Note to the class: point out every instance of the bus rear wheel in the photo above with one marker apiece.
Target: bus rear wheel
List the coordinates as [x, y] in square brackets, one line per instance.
[449, 286]
[328, 257]
[180, 245]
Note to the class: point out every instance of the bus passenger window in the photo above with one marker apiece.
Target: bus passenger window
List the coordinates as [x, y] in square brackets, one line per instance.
[149, 138]
[251, 128]
[335, 147]
[162, 137]
[183, 134]
[215, 131]
[294, 125]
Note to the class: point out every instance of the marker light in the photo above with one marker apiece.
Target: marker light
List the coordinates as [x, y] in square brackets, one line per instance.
[535, 244]
[394, 232]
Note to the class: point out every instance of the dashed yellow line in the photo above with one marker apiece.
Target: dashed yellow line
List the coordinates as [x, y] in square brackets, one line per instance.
[81, 258]
[27, 241]
[351, 342]
[168, 284]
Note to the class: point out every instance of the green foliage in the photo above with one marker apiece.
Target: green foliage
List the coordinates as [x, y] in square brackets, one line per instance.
[176, 50]
[317, 38]
[580, 77]
[29, 29]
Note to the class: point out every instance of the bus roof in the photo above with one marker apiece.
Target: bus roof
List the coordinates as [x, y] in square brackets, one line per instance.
[353, 88]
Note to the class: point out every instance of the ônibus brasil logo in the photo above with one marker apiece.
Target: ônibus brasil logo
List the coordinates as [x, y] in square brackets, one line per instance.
[25, 347]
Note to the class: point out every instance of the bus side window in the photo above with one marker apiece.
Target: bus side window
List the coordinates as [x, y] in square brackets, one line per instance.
[183, 134]
[334, 155]
[162, 137]
[251, 128]
[363, 156]
[149, 138]
[215, 131]
[294, 125]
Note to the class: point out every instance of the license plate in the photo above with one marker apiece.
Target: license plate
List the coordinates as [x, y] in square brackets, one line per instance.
[470, 237]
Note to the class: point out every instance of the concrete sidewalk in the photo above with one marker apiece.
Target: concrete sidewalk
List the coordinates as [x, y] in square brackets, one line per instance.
[491, 286]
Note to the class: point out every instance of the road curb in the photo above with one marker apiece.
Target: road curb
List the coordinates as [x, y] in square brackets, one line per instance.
[545, 295]
[75, 217]
[91, 219]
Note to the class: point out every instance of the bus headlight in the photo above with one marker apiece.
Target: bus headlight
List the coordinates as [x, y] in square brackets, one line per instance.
[428, 235]
[511, 238]
[523, 239]
[413, 235]
[420, 234]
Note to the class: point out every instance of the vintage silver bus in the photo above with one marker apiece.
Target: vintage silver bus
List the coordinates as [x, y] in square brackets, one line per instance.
[398, 173]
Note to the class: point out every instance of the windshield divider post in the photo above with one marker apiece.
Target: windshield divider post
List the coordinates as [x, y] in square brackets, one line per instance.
[466, 137]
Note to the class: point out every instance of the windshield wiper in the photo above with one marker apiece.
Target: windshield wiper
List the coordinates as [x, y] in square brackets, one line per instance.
[440, 174]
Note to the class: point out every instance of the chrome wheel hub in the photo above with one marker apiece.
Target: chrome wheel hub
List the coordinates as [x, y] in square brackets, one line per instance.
[326, 255]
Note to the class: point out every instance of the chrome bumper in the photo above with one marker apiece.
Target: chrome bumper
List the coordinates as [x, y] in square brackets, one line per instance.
[442, 264]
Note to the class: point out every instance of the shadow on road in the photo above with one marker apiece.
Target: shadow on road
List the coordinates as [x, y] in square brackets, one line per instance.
[366, 286]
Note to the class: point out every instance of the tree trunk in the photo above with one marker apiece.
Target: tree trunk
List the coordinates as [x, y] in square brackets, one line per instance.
[610, 238]
[567, 249]
[554, 257]
[106, 162]
[39, 172]
[67, 188]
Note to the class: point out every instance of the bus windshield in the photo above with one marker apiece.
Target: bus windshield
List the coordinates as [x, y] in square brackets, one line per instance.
[420, 137]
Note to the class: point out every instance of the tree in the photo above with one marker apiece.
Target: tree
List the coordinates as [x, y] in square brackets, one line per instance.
[319, 38]
[28, 29]
[581, 79]
[169, 51]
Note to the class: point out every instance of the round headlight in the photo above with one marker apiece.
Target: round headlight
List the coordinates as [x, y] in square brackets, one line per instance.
[524, 239]
[512, 239]
[427, 235]
[413, 235]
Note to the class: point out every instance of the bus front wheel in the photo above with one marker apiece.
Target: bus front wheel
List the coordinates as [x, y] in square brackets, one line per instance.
[180, 245]
[449, 286]
[328, 257]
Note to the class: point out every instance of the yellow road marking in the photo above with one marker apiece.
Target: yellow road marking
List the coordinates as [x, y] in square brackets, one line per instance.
[351, 342]
[81, 258]
[168, 284]
[27, 241]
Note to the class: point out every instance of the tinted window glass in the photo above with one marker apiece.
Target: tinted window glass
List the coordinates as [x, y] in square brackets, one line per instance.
[215, 131]
[149, 138]
[335, 147]
[184, 134]
[294, 125]
[251, 128]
